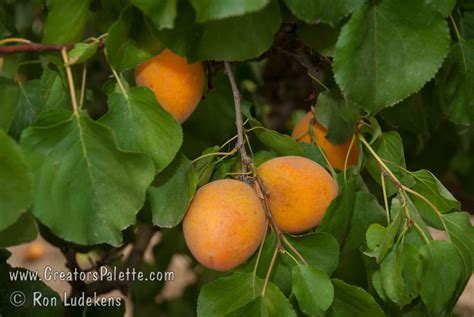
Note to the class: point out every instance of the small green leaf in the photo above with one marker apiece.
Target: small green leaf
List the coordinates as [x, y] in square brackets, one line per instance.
[81, 52]
[26, 224]
[313, 289]
[336, 114]
[141, 125]
[320, 250]
[392, 48]
[15, 182]
[66, 21]
[161, 12]
[207, 10]
[440, 275]
[353, 301]
[172, 191]
[281, 144]
[79, 169]
[432, 189]
[328, 11]
[131, 40]
[392, 230]
[455, 82]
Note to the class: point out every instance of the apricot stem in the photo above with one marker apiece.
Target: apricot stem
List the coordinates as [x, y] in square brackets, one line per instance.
[240, 145]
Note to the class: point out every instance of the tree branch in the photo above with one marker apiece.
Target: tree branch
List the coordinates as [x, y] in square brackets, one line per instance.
[240, 145]
[34, 47]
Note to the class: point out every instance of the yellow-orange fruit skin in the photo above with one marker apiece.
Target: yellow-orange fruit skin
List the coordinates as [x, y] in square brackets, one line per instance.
[177, 85]
[300, 191]
[34, 251]
[224, 224]
[336, 153]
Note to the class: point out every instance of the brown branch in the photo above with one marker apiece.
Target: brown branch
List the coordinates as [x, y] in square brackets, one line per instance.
[240, 145]
[34, 47]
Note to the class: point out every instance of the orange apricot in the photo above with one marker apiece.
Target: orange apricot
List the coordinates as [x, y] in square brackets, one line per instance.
[299, 190]
[177, 85]
[34, 251]
[224, 224]
[336, 153]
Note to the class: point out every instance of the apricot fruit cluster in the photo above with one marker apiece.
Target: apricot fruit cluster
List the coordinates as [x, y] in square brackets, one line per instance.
[177, 85]
[226, 221]
[336, 153]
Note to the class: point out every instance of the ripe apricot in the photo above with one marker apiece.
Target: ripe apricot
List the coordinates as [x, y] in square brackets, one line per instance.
[336, 153]
[299, 190]
[34, 251]
[176, 84]
[224, 224]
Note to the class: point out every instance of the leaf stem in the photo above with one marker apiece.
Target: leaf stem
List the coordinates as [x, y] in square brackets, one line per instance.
[292, 248]
[83, 85]
[14, 40]
[346, 159]
[385, 198]
[225, 154]
[70, 80]
[270, 269]
[456, 30]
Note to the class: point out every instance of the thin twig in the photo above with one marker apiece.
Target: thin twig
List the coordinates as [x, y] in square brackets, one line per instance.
[83, 85]
[240, 145]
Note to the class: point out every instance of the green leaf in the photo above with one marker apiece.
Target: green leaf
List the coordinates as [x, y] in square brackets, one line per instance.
[455, 82]
[320, 250]
[397, 268]
[206, 41]
[141, 125]
[172, 191]
[328, 11]
[66, 21]
[392, 230]
[430, 187]
[320, 37]
[28, 107]
[15, 182]
[336, 114]
[162, 12]
[227, 295]
[79, 169]
[131, 40]
[440, 275]
[367, 212]
[26, 224]
[9, 92]
[353, 301]
[281, 144]
[81, 52]
[461, 233]
[392, 48]
[337, 218]
[53, 89]
[26, 289]
[313, 289]
[207, 10]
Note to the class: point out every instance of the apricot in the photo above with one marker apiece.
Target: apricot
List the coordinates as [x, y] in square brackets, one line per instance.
[177, 85]
[336, 153]
[299, 192]
[224, 224]
[34, 251]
